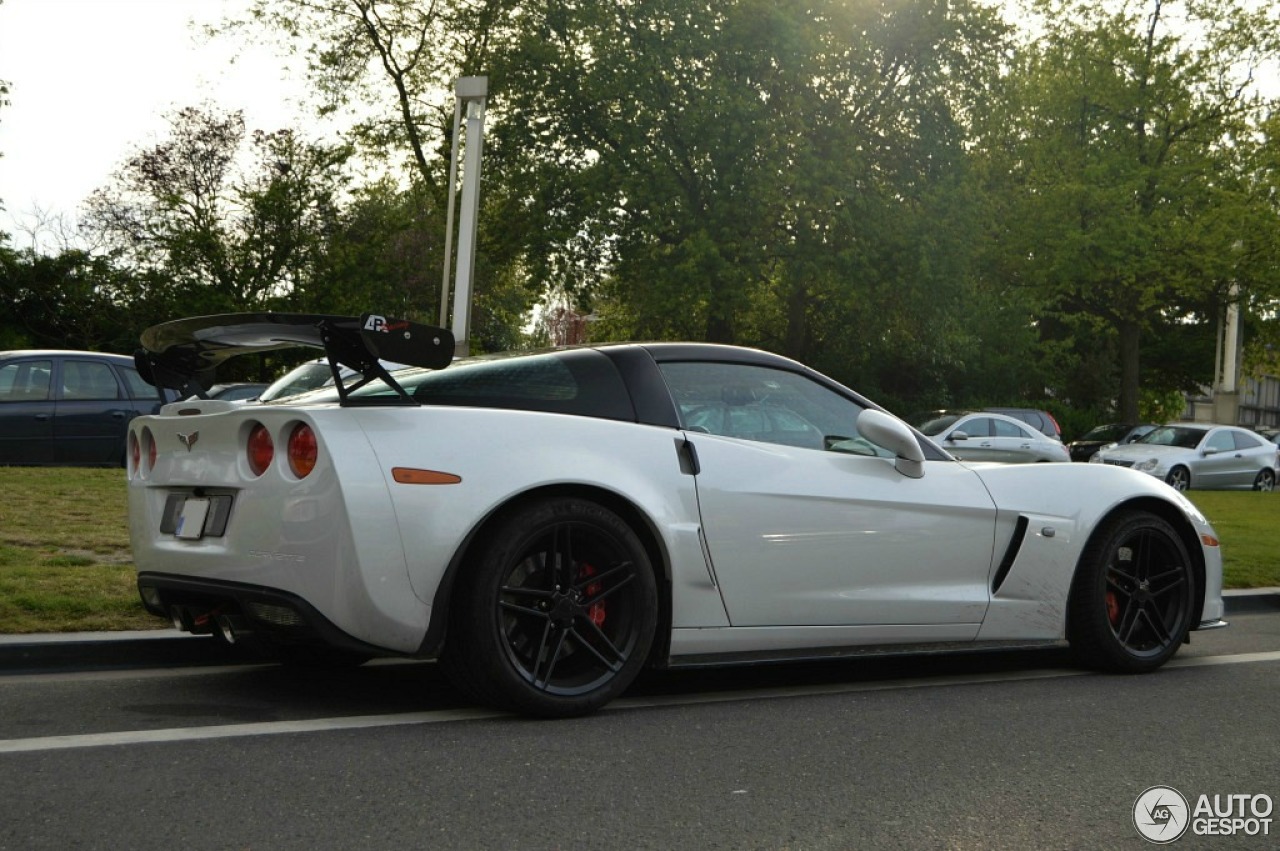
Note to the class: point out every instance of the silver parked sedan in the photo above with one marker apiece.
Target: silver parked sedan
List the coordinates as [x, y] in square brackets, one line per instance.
[984, 436]
[1199, 455]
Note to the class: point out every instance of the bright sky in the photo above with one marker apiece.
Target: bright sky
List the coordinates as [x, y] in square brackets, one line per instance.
[91, 80]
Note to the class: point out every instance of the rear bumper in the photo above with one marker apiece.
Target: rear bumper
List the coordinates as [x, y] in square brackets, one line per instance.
[195, 605]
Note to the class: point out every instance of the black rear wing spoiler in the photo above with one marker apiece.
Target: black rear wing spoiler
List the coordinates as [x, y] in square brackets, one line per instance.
[184, 354]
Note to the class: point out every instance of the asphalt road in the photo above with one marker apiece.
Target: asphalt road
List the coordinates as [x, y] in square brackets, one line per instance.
[1008, 750]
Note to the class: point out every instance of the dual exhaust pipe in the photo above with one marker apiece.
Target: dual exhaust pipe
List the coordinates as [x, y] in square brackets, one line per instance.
[230, 629]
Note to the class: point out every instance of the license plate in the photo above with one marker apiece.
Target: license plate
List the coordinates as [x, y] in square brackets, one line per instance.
[190, 523]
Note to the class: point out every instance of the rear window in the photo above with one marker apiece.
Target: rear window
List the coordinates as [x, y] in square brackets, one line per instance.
[582, 382]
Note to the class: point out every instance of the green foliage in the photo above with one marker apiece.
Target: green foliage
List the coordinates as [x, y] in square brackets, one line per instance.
[1133, 204]
[71, 300]
[903, 195]
[784, 175]
[208, 235]
[1157, 407]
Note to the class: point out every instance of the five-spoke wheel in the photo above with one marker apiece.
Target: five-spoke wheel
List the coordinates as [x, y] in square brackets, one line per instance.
[1179, 478]
[1266, 481]
[1131, 602]
[556, 613]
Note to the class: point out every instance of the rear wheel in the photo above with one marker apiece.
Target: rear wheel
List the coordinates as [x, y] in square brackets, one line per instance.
[556, 613]
[1132, 597]
[1179, 478]
[1266, 481]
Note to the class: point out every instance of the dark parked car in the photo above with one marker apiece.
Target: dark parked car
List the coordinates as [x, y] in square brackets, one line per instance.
[1105, 437]
[67, 407]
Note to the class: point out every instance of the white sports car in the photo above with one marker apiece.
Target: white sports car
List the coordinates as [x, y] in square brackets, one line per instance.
[546, 525]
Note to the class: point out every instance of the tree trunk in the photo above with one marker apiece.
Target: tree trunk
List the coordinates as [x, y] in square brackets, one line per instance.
[1130, 335]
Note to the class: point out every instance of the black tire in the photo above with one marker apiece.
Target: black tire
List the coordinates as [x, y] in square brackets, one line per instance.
[1132, 597]
[555, 613]
[1266, 481]
[1179, 479]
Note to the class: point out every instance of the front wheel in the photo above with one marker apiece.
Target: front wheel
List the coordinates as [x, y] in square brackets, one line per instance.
[1179, 478]
[556, 612]
[1266, 481]
[1132, 597]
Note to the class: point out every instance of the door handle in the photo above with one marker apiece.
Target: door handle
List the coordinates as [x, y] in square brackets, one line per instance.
[41, 417]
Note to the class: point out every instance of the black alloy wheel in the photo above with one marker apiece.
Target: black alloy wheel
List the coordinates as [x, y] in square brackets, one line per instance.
[558, 613]
[1131, 601]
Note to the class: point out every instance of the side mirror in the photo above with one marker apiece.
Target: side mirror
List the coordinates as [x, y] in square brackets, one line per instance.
[891, 434]
[1208, 450]
[958, 435]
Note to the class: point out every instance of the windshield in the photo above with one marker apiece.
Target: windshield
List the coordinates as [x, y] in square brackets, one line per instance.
[309, 376]
[1186, 438]
[1107, 433]
[935, 424]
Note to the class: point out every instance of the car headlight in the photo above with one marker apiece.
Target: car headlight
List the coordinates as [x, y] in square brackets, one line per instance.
[1148, 465]
[1096, 458]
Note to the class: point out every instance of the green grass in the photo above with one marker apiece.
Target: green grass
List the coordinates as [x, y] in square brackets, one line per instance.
[65, 564]
[1246, 525]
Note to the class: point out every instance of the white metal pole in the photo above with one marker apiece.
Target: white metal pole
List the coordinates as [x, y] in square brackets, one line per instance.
[448, 222]
[1231, 343]
[473, 90]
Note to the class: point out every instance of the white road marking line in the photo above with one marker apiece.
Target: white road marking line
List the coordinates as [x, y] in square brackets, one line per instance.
[360, 722]
[223, 731]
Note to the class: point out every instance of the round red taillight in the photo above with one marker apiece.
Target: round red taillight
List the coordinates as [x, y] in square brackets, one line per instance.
[302, 450]
[150, 440]
[135, 451]
[260, 450]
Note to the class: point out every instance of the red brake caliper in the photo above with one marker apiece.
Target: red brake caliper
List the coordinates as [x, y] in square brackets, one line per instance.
[596, 610]
[1113, 608]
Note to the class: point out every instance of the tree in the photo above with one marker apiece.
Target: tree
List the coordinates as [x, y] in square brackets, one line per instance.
[393, 64]
[69, 300]
[750, 171]
[1131, 128]
[223, 228]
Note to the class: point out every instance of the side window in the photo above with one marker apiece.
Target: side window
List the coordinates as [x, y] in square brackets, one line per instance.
[25, 381]
[84, 379]
[1246, 441]
[977, 427]
[138, 388]
[1221, 441]
[765, 405]
[1004, 429]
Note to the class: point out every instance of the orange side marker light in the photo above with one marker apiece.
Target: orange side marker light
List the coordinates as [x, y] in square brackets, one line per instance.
[414, 476]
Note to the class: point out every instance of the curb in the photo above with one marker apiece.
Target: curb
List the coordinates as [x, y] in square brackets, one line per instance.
[78, 651]
[1245, 601]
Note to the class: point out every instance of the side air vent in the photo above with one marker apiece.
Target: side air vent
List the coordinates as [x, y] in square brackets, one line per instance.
[1011, 554]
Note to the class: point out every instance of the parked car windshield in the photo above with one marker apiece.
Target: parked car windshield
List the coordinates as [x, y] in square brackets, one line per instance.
[1186, 438]
[935, 425]
[1107, 433]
